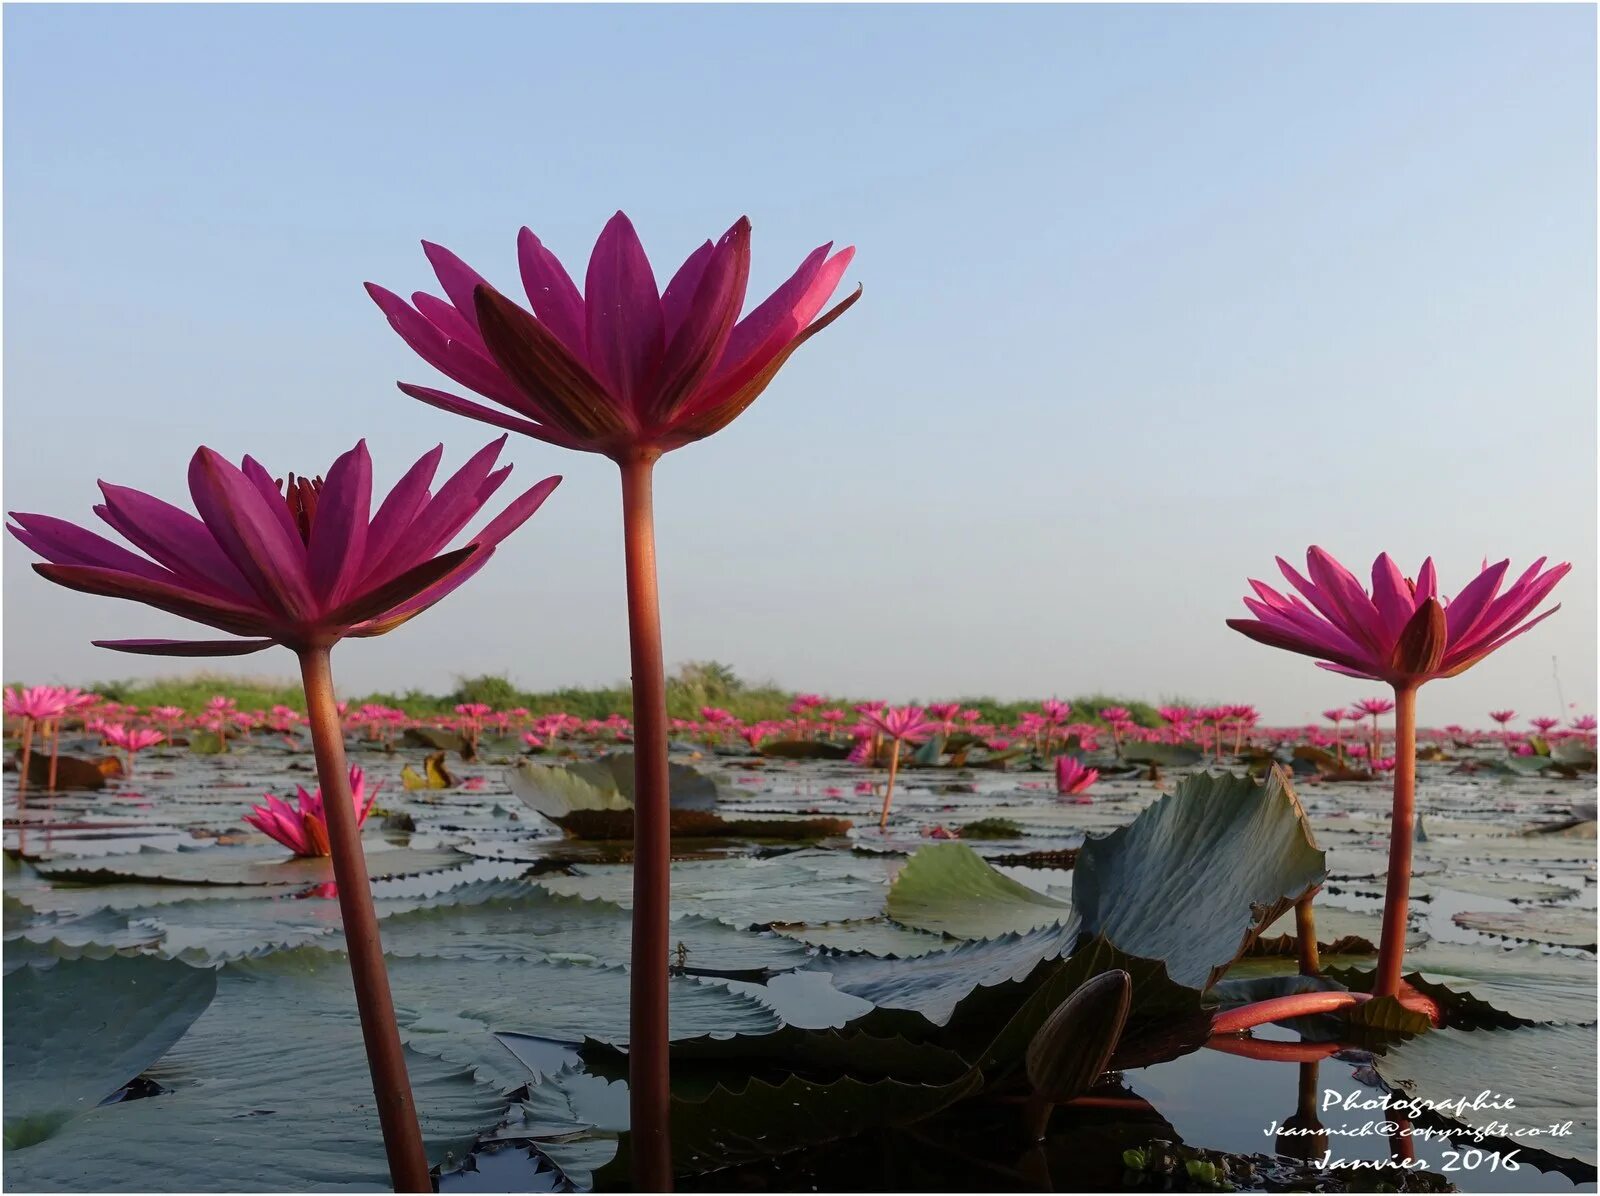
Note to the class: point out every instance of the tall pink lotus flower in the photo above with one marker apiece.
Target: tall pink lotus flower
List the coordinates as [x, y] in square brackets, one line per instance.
[303, 564]
[1544, 725]
[1119, 719]
[131, 740]
[1373, 708]
[1503, 717]
[903, 724]
[39, 707]
[1072, 778]
[1405, 633]
[630, 371]
[303, 827]
[1337, 717]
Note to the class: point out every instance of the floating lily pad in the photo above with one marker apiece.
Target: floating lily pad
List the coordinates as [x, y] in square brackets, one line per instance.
[1548, 1071]
[264, 865]
[869, 936]
[1559, 926]
[78, 1031]
[741, 892]
[946, 888]
[277, 1059]
[537, 924]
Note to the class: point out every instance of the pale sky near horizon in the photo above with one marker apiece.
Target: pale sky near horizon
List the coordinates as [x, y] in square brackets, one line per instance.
[1152, 294]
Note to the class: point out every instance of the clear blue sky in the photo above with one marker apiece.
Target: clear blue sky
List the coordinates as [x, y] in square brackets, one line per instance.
[1151, 295]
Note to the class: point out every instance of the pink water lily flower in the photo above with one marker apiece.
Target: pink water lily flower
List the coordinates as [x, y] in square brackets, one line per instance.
[1401, 632]
[1404, 633]
[303, 827]
[1072, 778]
[900, 723]
[620, 364]
[300, 563]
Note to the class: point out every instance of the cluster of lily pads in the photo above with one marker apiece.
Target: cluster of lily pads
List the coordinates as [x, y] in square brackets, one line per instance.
[828, 982]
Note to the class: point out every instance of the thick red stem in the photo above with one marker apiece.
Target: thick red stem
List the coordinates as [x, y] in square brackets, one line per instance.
[1269, 1051]
[1260, 1013]
[1402, 831]
[402, 1138]
[1305, 936]
[649, 1075]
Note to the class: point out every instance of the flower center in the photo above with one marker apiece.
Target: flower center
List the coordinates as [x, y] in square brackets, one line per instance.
[300, 495]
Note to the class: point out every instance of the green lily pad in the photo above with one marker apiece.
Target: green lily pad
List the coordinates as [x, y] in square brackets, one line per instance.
[868, 936]
[78, 1031]
[268, 1091]
[537, 924]
[1559, 926]
[947, 888]
[741, 892]
[1198, 875]
[252, 865]
[1492, 985]
[1548, 1071]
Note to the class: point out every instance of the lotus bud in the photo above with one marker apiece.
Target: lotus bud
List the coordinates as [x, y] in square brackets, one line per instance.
[1074, 1046]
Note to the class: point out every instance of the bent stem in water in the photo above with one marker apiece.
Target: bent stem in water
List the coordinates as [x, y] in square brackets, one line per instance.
[649, 1077]
[402, 1137]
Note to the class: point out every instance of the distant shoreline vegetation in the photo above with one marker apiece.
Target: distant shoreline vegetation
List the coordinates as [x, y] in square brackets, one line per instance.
[693, 685]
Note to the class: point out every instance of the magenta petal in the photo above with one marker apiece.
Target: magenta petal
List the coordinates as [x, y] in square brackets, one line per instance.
[185, 647]
[271, 494]
[678, 296]
[1391, 595]
[773, 317]
[249, 531]
[445, 401]
[457, 278]
[700, 341]
[66, 543]
[176, 600]
[440, 517]
[398, 509]
[1358, 617]
[173, 537]
[552, 295]
[622, 309]
[1463, 612]
[337, 548]
[443, 316]
[516, 514]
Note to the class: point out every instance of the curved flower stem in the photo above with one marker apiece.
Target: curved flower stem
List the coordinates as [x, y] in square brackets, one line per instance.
[402, 1138]
[1402, 829]
[888, 792]
[1269, 1050]
[649, 1075]
[1277, 1008]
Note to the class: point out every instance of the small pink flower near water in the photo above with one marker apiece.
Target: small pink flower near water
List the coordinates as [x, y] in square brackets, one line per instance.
[303, 828]
[1072, 778]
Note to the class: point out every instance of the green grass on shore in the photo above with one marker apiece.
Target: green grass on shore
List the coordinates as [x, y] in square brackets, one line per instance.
[694, 685]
